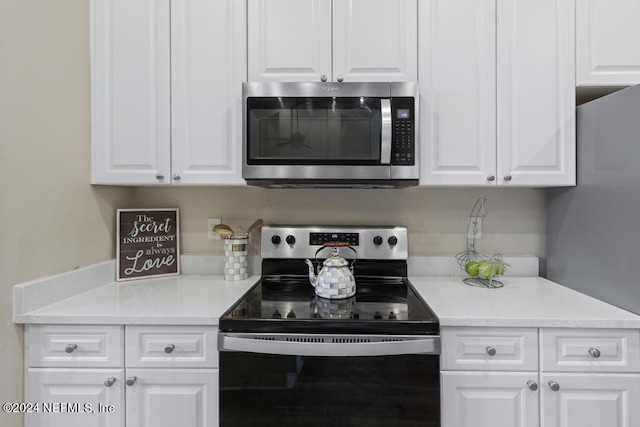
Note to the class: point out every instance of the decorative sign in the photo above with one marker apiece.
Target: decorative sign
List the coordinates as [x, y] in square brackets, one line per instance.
[148, 243]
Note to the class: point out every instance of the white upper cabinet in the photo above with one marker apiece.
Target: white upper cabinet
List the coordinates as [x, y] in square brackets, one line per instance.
[607, 42]
[131, 90]
[208, 66]
[497, 92]
[289, 40]
[166, 91]
[458, 90]
[339, 40]
[536, 93]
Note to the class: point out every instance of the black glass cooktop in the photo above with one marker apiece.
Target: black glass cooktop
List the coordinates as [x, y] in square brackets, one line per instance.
[288, 304]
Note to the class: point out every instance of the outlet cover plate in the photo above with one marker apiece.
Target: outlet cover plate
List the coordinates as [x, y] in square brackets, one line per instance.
[211, 222]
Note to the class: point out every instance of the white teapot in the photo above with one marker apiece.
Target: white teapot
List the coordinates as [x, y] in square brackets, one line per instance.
[335, 280]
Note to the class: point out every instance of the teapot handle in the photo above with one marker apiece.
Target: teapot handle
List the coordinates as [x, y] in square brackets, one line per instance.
[335, 245]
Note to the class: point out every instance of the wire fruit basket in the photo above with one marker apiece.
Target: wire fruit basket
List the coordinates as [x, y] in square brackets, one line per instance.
[484, 271]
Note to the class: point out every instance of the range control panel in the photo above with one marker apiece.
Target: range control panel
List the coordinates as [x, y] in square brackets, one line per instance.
[371, 242]
[321, 238]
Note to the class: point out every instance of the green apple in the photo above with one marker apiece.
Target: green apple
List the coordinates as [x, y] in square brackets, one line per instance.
[491, 269]
[472, 268]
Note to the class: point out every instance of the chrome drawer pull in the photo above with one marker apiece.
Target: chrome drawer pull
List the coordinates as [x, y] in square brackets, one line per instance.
[554, 386]
[131, 380]
[169, 348]
[71, 348]
[491, 351]
[533, 386]
[110, 381]
[594, 352]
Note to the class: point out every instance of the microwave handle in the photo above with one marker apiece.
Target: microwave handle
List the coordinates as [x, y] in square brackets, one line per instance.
[385, 132]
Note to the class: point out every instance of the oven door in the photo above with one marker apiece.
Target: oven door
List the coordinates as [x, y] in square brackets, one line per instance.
[317, 380]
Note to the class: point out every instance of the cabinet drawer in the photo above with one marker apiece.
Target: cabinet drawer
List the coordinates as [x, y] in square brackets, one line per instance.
[171, 346]
[592, 350]
[489, 349]
[51, 346]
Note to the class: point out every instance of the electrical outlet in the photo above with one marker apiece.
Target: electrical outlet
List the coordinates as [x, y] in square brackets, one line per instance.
[211, 222]
[475, 227]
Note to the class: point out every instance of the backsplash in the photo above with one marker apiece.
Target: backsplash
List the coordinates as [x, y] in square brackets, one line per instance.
[436, 217]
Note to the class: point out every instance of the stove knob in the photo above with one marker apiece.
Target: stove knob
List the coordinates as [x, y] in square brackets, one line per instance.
[377, 240]
[392, 316]
[290, 239]
[277, 315]
[275, 239]
[377, 316]
[291, 315]
[393, 240]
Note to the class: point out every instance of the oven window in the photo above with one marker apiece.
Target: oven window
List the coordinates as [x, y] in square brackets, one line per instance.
[270, 390]
[291, 130]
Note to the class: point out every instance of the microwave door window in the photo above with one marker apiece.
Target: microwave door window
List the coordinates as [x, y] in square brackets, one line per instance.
[314, 130]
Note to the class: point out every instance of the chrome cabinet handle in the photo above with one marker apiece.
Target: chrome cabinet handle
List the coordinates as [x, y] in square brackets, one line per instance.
[554, 386]
[323, 78]
[491, 351]
[110, 381]
[176, 177]
[159, 176]
[533, 386]
[507, 177]
[340, 78]
[594, 352]
[71, 348]
[169, 348]
[491, 178]
[131, 380]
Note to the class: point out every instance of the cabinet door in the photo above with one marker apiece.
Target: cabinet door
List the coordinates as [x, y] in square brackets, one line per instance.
[172, 397]
[131, 91]
[289, 40]
[75, 397]
[590, 400]
[489, 399]
[536, 92]
[208, 66]
[607, 42]
[458, 91]
[375, 40]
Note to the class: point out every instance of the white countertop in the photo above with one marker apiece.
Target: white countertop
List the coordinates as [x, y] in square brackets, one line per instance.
[91, 296]
[175, 300]
[522, 302]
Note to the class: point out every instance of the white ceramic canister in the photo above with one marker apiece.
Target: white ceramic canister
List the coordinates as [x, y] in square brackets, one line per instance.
[236, 258]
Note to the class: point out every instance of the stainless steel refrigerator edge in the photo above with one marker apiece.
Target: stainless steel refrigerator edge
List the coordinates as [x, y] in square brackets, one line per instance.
[593, 229]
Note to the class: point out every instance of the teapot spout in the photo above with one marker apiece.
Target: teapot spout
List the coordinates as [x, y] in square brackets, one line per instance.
[312, 276]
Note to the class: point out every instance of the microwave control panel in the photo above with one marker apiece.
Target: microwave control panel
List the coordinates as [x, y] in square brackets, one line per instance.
[403, 125]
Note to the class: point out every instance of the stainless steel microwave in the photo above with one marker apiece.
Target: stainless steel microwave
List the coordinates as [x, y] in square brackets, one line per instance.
[330, 134]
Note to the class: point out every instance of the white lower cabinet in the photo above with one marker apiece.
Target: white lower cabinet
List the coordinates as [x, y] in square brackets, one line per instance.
[496, 399]
[75, 397]
[79, 376]
[590, 400]
[172, 397]
[590, 377]
[584, 377]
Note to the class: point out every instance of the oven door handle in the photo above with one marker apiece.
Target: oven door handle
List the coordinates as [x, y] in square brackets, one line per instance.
[318, 345]
[385, 131]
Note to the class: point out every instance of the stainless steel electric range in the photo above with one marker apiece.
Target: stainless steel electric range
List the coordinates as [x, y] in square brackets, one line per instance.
[290, 357]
